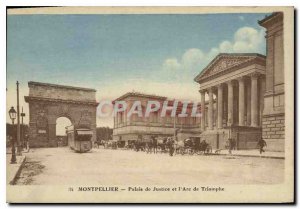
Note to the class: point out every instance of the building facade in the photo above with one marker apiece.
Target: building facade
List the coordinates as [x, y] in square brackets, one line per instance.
[242, 95]
[133, 128]
[235, 83]
[273, 126]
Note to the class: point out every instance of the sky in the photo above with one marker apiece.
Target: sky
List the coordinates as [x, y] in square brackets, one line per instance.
[115, 54]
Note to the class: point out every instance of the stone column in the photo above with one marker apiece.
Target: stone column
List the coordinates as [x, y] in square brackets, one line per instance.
[241, 101]
[210, 109]
[262, 93]
[117, 120]
[254, 100]
[203, 110]
[220, 106]
[230, 103]
[248, 104]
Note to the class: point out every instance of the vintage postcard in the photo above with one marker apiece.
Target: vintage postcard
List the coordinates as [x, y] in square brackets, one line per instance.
[150, 105]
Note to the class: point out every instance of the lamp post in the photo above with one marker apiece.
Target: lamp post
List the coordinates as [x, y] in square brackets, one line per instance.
[19, 151]
[22, 127]
[13, 114]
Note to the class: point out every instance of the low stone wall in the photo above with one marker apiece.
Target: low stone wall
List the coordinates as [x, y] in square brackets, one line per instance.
[216, 138]
[245, 137]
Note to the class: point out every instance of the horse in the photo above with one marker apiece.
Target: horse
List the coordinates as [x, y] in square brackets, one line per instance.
[179, 147]
[205, 147]
[162, 145]
[139, 145]
[149, 146]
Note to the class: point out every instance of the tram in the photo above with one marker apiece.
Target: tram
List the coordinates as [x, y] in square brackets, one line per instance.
[79, 139]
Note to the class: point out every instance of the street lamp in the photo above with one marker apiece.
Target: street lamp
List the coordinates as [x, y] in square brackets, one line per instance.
[13, 114]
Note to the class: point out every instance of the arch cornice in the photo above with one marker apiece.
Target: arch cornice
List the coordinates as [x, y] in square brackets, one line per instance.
[29, 99]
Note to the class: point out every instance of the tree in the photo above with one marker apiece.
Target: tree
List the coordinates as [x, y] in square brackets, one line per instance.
[104, 133]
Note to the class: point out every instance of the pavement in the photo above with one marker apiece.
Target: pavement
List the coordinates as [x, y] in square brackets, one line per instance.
[13, 170]
[62, 166]
[252, 153]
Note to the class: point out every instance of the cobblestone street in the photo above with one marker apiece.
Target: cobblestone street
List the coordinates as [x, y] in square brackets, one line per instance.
[61, 166]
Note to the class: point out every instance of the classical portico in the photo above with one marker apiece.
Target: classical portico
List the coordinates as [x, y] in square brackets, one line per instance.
[232, 89]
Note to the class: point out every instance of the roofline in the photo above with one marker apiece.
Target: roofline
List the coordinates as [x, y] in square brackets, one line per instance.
[138, 94]
[227, 54]
[267, 18]
[243, 54]
[60, 86]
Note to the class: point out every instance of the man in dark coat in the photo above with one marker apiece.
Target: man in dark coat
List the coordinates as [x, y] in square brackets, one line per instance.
[170, 143]
[261, 144]
[230, 145]
[154, 144]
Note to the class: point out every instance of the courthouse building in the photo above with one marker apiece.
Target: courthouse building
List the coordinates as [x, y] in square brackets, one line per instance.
[143, 128]
[249, 92]
[237, 83]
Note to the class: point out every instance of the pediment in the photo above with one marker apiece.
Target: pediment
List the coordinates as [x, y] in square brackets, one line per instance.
[224, 62]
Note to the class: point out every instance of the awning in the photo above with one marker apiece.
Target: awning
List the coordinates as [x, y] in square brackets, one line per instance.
[87, 132]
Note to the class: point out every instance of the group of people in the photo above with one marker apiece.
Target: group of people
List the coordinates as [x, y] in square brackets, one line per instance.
[231, 145]
[170, 145]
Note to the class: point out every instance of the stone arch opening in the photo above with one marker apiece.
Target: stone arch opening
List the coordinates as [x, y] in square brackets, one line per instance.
[61, 126]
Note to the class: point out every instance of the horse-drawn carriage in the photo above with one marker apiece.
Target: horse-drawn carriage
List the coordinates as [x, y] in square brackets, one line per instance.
[111, 144]
[190, 146]
[155, 144]
[151, 144]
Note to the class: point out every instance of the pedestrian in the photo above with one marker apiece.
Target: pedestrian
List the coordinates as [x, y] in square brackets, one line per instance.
[233, 144]
[230, 145]
[27, 141]
[96, 144]
[261, 144]
[154, 144]
[171, 146]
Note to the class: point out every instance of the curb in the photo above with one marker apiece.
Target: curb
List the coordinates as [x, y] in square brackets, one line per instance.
[258, 156]
[13, 181]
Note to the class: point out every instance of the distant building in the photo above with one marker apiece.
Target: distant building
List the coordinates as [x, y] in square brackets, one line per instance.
[273, 126]
[142, 128]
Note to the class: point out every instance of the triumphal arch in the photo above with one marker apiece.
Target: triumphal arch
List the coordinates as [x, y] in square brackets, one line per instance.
[47, 102]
